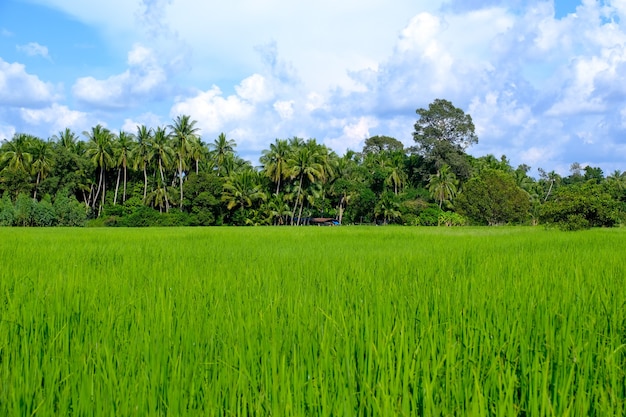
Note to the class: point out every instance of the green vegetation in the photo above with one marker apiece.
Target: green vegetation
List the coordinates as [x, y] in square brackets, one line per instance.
[168, 176]
[312, 321]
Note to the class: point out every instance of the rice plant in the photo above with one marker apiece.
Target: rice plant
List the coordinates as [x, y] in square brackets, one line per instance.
[360, 321]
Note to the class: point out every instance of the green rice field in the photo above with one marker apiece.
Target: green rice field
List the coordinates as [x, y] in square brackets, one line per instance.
[312, 321]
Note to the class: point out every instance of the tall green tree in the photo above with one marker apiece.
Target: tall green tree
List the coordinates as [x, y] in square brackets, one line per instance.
[222, 148]
[123, 147]
[100, 151]
[42, 161]
[16, 153]
[305, 162]
[443, 185]
[275, 162]
[442, 133]
[184, 132]
[164, 154]
[142, 154]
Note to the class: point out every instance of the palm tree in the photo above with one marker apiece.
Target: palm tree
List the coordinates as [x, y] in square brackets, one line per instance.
[197, 152]
[275, 160]
[183, 132]
[305, 162]
[100, 152]
[221, 148]
[66, 139]
[387, 207]
[142, 153]
[164, 154]
[42, 161]
[397, 177]
[17, 153]
[442, 186]
[242, 189]
[123, 147]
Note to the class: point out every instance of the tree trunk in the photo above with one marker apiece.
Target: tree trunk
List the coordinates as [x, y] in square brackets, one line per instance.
[145, 182]
[124, 195]
[36, 186]
[167, 203]
[295, 206]
[180, 176]
[117, 186]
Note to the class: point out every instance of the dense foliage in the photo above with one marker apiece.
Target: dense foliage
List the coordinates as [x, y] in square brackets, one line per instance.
[167, 175]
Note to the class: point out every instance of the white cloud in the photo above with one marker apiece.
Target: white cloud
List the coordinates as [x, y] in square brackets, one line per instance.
[34, 49]
[212, 110]
[55, 118]
[6, 132]
[254, 89]
[19, 88]
[147, 119]
[284, 109]
[353, 135]
[145, 78]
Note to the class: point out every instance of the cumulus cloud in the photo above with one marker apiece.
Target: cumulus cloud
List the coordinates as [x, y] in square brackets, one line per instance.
[55, 118]
[145, 78]
[542, 89]
[146, 119]
[19, 88]
[213, 110]
[6, 132]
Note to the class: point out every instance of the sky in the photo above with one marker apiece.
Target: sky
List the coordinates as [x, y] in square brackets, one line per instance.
[544, 81]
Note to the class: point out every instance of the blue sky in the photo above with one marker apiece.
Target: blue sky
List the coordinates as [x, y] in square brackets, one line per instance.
[545, 81]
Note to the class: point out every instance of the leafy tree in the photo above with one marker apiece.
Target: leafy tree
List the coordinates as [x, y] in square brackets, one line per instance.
[388, 208]
[222, 148]
[443, 133]
[442, 185]
[306, 162]
[184, 132]
[275, 162]
[42, 161]
[493, 198]
[581, 206]
[123, 147]
[142, 154]
[100, 151]
[382, 144]
[243, 189]
[16, 153]
[164, 154]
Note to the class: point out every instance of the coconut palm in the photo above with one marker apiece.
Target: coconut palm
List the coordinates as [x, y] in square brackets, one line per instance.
[100, 151]
[275, 160]
[396, 175]
[142, 153]
[164, 154]
[221, 149]
[387, 207]
[305, 162]
[442, 185]
[42, 161]
[16, 153]
[66, 139]
[123, 147]
[183, 132]
[197, 152]
[242, 189]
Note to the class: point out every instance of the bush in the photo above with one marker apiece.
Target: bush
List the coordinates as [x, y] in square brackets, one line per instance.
[580, 206]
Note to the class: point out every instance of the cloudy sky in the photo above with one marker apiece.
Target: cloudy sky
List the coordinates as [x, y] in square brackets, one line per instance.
[544, 81]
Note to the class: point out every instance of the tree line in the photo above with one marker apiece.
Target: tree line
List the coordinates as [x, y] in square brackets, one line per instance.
[167, 175]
